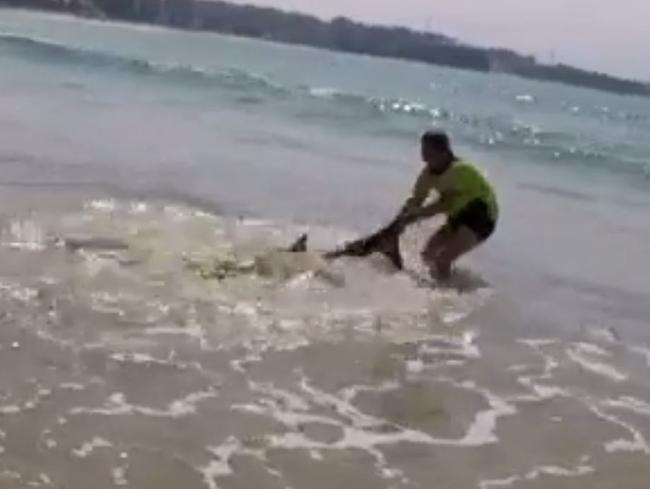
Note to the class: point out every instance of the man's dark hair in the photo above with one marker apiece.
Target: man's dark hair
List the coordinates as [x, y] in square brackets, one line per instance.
[437, 140]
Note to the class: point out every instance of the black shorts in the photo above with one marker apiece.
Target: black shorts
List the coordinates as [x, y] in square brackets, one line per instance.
[475, 216]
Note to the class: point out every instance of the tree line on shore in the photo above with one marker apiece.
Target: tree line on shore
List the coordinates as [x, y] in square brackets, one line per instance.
[339, 34]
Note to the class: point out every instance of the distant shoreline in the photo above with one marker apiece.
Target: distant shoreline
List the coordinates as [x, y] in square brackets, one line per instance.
[340, 34]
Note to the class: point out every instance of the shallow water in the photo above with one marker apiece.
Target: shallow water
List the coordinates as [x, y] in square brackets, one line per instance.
[140, 165]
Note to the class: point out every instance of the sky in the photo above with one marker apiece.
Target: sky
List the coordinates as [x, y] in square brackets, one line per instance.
[595, 34]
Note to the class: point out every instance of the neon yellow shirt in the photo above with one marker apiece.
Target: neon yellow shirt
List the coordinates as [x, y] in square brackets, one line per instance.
[458, 186]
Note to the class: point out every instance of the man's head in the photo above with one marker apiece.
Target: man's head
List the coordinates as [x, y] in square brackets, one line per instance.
[436, 151]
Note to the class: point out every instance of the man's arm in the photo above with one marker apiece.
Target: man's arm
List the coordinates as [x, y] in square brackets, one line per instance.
[419, 193]
[431, 210]
[413, 215]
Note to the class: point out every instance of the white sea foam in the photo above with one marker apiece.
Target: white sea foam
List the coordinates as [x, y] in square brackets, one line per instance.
[220, 466]
[356, 429]
[525, 98]
[117, 405]
[637, 443]
[629, 404]
[584, 358]
[538, 383]
[581, 469]
[87, 448]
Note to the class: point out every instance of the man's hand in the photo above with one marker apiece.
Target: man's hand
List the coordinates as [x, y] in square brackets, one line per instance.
[432, 210]
[410, 215]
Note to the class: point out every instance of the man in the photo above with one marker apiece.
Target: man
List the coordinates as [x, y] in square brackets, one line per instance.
[464, 196]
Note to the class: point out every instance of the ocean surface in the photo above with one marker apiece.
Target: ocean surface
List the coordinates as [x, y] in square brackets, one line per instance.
[151, 336]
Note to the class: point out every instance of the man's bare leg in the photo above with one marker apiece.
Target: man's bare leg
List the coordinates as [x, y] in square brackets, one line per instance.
[434, 246]
[460, 243]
